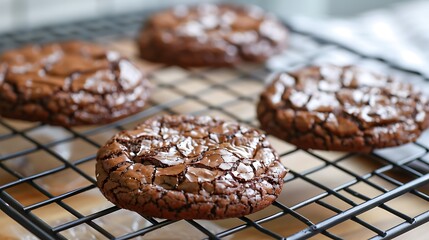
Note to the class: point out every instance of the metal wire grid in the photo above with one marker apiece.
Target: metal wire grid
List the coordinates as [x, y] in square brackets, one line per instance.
[397, 166]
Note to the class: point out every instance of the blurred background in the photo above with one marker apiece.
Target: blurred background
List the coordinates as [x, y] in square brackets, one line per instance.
[21, 14]
[395, 30]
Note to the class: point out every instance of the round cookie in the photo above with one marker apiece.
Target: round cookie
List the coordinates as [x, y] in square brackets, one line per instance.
[211, 35]
[70, 83]
[342, 108]
[184, 167]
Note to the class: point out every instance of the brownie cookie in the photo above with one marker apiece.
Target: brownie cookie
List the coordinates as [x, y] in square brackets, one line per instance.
[69, 83]
[342, 108]
[211, 35]
[184, 167]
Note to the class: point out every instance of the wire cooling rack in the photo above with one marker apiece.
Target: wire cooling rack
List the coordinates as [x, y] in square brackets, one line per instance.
[47, 177]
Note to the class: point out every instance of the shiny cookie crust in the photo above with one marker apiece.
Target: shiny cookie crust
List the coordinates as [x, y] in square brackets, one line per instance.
[342, 108]
[211, 35]
[184, 167]
[70, 83]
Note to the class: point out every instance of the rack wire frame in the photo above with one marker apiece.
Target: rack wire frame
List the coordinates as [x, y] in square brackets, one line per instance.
[127, 25]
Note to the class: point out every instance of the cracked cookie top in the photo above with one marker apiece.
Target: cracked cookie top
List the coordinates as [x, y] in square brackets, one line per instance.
[181, 153]
[345, 107]
[191, 156]
[213, 34]
[70, 83]
[67, 66]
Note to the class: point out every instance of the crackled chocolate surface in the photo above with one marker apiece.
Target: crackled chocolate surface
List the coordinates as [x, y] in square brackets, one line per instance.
[211, 35]
[184, 167]
[69, 83]
[342, 108]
